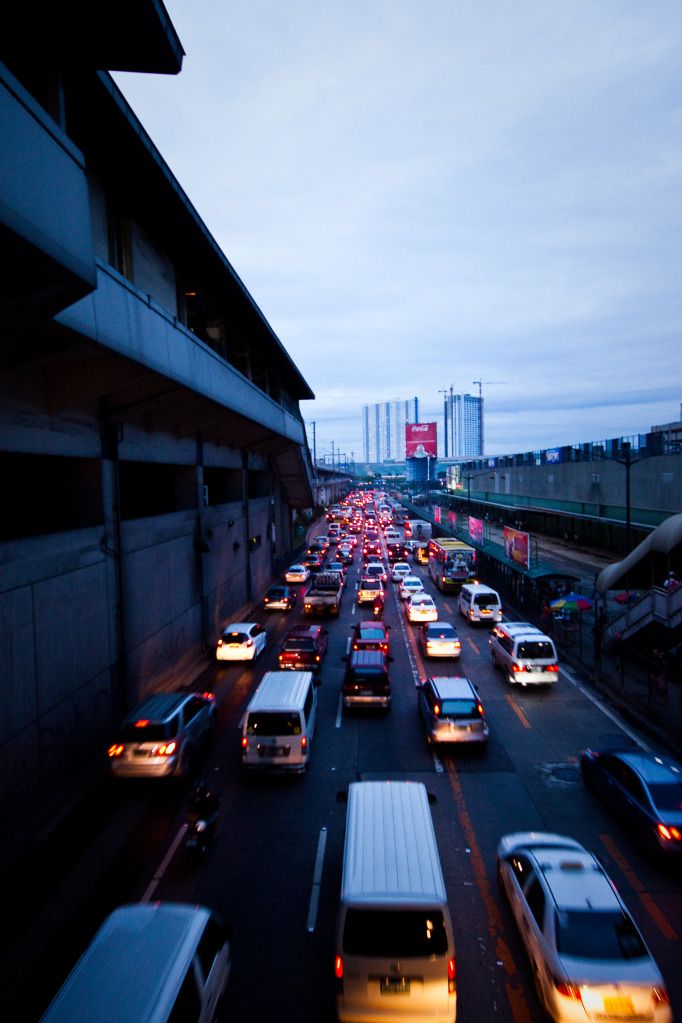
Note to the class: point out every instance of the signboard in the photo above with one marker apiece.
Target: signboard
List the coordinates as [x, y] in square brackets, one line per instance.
[476, 529]
[436, 513]
[421, 440]
[452, 519]
[553, 455]
[517, 546]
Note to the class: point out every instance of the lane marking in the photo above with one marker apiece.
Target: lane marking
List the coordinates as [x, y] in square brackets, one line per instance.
[473, 645]
[517, 710]
[437, 763]
[317, 881]
[515, 994]
[163, 866]
[605, 710]
[339, 712]
[656, 914]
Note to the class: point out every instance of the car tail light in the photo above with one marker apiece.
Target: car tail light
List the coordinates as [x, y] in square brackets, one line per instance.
[245, 742]
[660, 996]
[167, 749]
[208, 696]
[317, 658]
[249, 642]
[304, 743]
[452, 976]
[116, 750]
[436, 709]
[338, 967]
[480, 709]
[552, 667]
[220, 642]
[566, 989]
[516, 667]
[669, 833]
[458, 645]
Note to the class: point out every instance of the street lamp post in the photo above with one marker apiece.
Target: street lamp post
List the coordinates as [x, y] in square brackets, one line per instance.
[628, 461]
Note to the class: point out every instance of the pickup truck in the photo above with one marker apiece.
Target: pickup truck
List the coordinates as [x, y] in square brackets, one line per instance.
[324, 595]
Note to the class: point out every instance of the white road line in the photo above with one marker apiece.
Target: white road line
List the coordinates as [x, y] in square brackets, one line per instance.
[317, 881]
[339, 712]
[605, 710]
[437, 763]
[155, 881]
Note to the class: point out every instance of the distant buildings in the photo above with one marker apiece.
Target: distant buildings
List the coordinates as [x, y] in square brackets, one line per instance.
[463, 415]
[383, 429]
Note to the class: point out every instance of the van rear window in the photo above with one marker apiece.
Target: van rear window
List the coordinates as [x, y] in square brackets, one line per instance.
[460, 709]
[150, 731]
[485, 600]
[370, 932]
[536, 650]
[273, 723]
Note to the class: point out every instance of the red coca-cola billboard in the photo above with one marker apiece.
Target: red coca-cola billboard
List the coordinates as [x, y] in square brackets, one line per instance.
[420, 440]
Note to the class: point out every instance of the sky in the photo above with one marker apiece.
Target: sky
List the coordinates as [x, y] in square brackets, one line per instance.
[420, 195]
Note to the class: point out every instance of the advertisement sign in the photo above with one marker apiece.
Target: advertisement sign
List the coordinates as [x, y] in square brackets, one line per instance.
[553, 456]
[452, 519]
[517, 546]
[476, 529]
[436, 513]
[420, 440]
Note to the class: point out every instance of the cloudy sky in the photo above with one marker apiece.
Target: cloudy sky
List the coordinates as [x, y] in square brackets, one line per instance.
[423, 193]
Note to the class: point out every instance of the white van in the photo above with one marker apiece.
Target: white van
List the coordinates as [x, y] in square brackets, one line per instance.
[151, 963]
[278, 726]
[525, 654]
[478, 603]
[395, 953]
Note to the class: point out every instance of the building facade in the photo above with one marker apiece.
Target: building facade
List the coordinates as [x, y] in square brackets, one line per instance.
[463, 426]
[383, 429]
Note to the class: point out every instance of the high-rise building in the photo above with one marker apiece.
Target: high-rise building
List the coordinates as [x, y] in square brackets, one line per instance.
[464, 426]
[383, 429]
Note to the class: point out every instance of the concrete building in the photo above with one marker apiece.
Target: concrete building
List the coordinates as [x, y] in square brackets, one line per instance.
[463, 426]
[151, 441]
[383, 429]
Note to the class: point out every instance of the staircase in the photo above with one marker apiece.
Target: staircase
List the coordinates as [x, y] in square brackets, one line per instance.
[655, 607]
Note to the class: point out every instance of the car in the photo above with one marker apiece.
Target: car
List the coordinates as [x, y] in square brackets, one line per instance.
[160, 737]
[439, 639]
[399, 569]
[338, 567]
[297, 574]
[589, 960]
[345, 555]
[410, 584]
[371, 549]
[420, 607]
[370, 635]
[368, 589]
[279, 598]
[643, 789]
[452, 712]
[241, 641]
[376, 570]
[313, 561]
[397, 552]
[304, 648]
[323, 541]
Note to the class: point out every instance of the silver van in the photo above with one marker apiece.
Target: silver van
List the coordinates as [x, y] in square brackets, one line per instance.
[279, 722]
[524, 654]
[479, 603]
[151, 963]
[395, 954]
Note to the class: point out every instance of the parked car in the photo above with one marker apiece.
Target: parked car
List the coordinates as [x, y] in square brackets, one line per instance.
[370, 635]
[410, 584]
[159, 738]
[241, 641]
[279, 598]
[439, 639]
[452, 712]
[420, 607]
[643, 789]
[304, 648]
[589, 960]
[297, 574]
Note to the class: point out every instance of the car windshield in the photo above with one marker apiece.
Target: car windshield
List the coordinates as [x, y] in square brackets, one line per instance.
[276, 591]
[442, 632]
[590, 934]
[536, 650]
[271, 723]
[461, 709]
[667, 795]
[371, 634]
[404, 933]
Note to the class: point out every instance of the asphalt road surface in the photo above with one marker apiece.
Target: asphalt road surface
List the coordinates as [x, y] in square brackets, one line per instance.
[274, 871]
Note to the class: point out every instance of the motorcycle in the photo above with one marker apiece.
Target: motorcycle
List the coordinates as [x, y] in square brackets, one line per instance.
[198, 836]
[378, 610]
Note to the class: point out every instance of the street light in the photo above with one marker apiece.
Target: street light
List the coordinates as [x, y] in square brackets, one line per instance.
[475, 476]
[628, 461]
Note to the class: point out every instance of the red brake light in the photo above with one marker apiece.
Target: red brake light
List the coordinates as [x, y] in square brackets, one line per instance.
[167, 749]
[436, 710]
[220, 642]
[669, 833]
[249, 642]
[452, 975]
[142, 723]
[480, 709]
[304, 743]
[116, 750]
[660, 996]
[245, 742]
[566, 989]
[208, 696]
[338, 968]
[553, 667]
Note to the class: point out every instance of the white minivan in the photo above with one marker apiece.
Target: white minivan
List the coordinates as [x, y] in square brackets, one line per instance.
[525, 655]
[395, 954]
[149, 963]
[478, 603]
[279, 722]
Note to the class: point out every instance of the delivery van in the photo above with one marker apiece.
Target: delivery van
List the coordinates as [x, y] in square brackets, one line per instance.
[478, 603]
[279, 722]
[395, 955]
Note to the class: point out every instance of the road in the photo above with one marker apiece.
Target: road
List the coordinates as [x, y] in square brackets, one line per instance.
[274, 872]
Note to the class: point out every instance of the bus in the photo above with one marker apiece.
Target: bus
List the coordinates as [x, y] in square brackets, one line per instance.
[451, 563]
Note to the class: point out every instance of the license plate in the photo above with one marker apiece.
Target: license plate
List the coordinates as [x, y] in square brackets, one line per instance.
[618, 1005]
[273, 751]
[366, 692]
[395, 986]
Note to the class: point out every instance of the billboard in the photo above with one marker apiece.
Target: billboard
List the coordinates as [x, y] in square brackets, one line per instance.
[420, 440]
[517, 546]
[476, 529]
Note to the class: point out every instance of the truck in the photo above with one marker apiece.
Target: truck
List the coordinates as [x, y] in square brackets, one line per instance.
[417, 529]
[451, 563]
[324, 594]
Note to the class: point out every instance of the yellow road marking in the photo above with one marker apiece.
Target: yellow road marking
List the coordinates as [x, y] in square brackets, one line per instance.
[515, 994]
[656, 914]
[517, 710]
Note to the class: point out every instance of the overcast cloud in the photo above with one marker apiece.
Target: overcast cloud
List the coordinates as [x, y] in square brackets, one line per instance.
[418, 195]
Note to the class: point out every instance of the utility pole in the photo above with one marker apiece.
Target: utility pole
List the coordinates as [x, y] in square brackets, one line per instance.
[313, 424]
[445, 422]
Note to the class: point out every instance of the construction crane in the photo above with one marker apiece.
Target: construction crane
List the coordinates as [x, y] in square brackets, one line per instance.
[480, 398]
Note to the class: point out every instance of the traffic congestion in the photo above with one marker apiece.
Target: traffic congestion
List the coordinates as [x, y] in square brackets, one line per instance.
[552, 829]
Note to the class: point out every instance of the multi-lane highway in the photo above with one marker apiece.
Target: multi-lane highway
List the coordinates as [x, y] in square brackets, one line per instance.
[274, 872]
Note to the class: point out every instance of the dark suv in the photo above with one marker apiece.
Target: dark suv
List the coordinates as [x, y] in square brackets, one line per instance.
[304, 648]
[366, 682]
